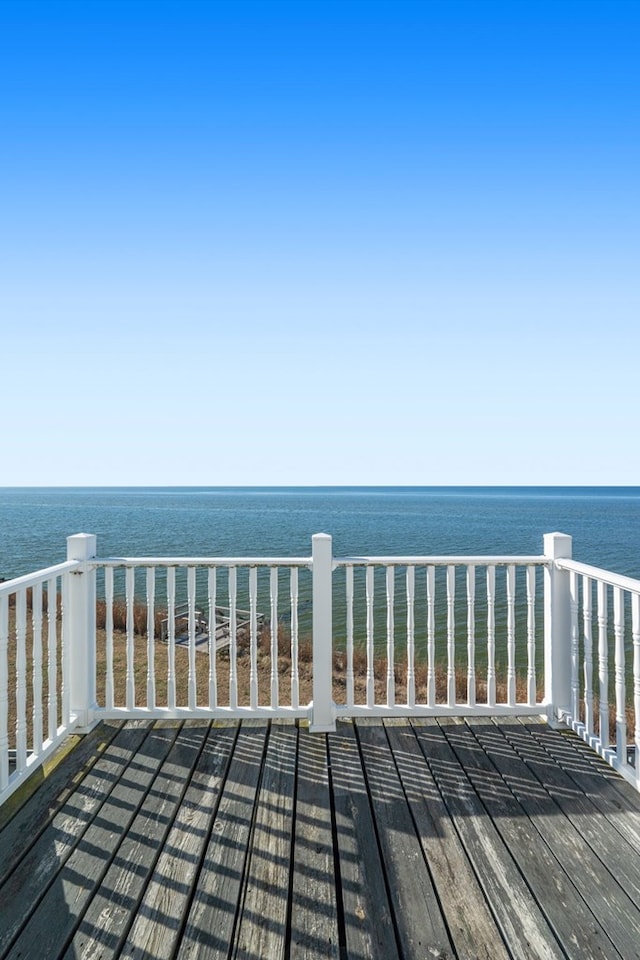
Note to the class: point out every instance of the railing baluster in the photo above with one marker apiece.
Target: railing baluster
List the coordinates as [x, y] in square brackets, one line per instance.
[52, 658]
[370, 682]
[171, 638]
[36, 622]
[575, 645]
[511, 635]
[233, 638]
[431, 636]
[295, 682]
[213, 646]
[21, 680]
[253, 637]
[273, 631]
[587, 614]
[635, 636]
[191, 621]
[130, 598]
[4, 692]
[491, 636]
[108, 593]
[532, 693]
[349, 596]
[411, 653]
[603, 664]
[471, 635]
[620, 687]
[451, 635]
[151, 638]
[391, 676]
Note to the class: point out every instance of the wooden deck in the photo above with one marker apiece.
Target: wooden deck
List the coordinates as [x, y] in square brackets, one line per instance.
[255, 840]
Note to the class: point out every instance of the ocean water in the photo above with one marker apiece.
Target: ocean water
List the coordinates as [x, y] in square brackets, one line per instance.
[252, 521]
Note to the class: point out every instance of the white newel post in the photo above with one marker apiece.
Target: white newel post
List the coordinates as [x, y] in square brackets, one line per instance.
[557, 626]
[322, 706]
[81, 631]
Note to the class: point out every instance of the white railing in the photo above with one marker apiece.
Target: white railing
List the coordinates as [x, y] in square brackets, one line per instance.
[35, 688]
[314, 637]
[451, 635]
[604, 697]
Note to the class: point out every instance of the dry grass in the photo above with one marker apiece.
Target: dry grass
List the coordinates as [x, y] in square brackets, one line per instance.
[286, 680]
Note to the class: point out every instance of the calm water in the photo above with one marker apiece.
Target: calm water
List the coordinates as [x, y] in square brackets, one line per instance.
[215, 521]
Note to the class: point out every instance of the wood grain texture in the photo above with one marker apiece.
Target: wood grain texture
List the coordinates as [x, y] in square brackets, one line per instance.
[475, 933]
[479, 840]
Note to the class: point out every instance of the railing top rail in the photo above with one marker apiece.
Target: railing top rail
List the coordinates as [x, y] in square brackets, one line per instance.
[597, 573]
[201, 562]
[38, 576]
[469, 561]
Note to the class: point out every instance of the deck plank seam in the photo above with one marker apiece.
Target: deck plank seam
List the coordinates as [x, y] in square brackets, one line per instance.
[27, 843]
[416, 830]
[571, 883]
[342, 934]
[114, 851]
[233, 939]
[161, 845]
[469, 860]
[504, 846]
[627, 798]
[207, 837]
[8, 947]
[292, 847]
[605, 867]
[376, 829]
[160, 772]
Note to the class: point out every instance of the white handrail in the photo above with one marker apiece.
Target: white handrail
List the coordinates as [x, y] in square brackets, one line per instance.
[597, 573]
[38, 576]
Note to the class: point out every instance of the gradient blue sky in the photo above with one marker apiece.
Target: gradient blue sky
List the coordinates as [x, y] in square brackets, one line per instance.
[319, 242]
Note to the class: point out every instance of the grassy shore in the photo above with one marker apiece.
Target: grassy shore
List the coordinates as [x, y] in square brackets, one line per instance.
[286, 680]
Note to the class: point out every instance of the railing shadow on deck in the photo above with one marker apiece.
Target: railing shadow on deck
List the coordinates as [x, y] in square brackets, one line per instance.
[181, 837]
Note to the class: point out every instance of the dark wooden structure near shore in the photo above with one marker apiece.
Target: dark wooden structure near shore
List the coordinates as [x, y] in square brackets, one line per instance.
[256, 839]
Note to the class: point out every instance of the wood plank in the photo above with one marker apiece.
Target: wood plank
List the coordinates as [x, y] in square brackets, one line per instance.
[573, 923]
[420, 927]
[212, 917]
[614, 797]
[59, 911]
[367, 916]
[262, 925]
[32, 807]
[516, 910]
[608, 902]
[472, 927]
[110, 913]
[28, 883]
[314, 909]
[162, 910]
[615, 852]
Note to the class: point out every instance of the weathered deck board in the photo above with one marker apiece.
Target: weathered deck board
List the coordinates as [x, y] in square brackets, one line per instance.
[314, 903]
[508, 896]
[367, 917]
[108, 917]
[262, 926]
[419, 922]
[472, 927]
[442, 839]
[65, 901]
[158, 923]
[210, 924]
[574, 924]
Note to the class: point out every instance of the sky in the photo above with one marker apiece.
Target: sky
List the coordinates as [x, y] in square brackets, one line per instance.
[318, 242]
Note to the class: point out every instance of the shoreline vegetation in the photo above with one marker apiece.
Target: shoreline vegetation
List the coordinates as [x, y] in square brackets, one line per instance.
[265, 674]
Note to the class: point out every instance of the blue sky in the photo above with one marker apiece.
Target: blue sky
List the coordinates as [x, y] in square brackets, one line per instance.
[319, 242]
